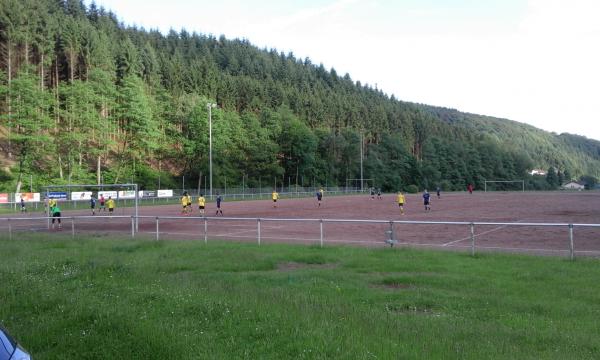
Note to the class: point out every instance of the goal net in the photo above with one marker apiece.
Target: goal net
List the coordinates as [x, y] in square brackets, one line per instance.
[504, 185]
[359, 184]
[78, 197]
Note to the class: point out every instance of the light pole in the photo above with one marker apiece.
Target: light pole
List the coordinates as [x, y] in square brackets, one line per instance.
[361, 161]
[210, 106]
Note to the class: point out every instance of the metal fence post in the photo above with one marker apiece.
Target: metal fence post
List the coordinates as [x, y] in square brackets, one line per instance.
[472, 239]
[205, 231]
[321, 230]
[392, 237]
[157, 237]
[258, 230]
[571, 245]
[72, 226]
[132, 227]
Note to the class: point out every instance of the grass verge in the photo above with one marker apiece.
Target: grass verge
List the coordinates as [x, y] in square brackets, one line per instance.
[107, 298]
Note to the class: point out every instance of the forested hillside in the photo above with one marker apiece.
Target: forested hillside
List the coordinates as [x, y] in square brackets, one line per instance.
[85, 99]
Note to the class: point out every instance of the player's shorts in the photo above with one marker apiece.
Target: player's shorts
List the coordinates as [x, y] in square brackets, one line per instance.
[189, 204]
[184, 206]
[201, 207]
[426, 202]
[274, 200]
[110, 209]
[56, 216]
[101, 205]
[93, 206]
[401, 204]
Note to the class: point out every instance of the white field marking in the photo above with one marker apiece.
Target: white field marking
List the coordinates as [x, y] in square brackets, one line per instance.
[593, 252]
[476, 235]
[504, 248]
[201, 223]
[238, 232]
[398, 243]
[235, 236]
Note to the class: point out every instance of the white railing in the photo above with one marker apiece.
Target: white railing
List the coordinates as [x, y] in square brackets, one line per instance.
[70, 222]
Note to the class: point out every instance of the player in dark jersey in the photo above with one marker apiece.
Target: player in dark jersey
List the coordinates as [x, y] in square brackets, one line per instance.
[219, 200]
[426, 197]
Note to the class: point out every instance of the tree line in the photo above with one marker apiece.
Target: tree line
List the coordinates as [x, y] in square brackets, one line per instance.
[86, 99]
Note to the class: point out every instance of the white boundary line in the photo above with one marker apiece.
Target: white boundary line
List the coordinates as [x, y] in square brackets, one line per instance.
[476, 235]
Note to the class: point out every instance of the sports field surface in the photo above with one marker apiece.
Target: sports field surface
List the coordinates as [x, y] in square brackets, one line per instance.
[512, 207]
[111, 298]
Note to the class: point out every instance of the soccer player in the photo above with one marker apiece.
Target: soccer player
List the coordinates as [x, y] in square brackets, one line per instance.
[201, 203]
[93, 204]
[189, 204]
[319, 196]
[275, 197]
[470, 189]
[23, 208]
[438, 190]
[102, 201]
[110, 203]
[55, 210]
[219, 199]
[401, 202]
[372, 194]
[51, 204]
[379, 194]
[184, 203]
[426, 201]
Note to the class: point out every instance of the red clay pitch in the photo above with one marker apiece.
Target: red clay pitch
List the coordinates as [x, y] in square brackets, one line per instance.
[543, 207]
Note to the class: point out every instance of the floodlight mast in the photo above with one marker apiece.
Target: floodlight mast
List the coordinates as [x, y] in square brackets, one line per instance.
[361, 162]
[210, 106]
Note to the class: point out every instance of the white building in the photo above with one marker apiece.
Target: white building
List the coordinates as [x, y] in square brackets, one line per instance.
[573, 186]
[537, 172]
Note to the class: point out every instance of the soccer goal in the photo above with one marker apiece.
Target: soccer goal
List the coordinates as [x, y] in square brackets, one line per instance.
[359, 184]
[78, 193]
[504, 185]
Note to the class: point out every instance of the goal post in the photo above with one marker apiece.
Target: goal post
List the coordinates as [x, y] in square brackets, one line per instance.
[520, 183]
[65, 191]
[359, 184]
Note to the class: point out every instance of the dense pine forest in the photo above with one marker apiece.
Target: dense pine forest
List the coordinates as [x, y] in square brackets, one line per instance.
[86, 99]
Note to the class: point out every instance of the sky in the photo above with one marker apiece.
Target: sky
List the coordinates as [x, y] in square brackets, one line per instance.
[533, 61]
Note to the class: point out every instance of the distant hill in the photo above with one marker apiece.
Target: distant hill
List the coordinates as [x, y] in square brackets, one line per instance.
[84, 99]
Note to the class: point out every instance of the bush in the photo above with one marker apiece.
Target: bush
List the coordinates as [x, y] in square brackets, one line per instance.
[412, 189]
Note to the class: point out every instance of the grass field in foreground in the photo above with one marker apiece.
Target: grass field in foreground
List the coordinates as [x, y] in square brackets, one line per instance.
[100, 298]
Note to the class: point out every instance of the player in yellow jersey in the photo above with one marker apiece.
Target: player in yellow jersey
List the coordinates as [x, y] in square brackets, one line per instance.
[275, 197]
[110, 204]
[184, 203]
[401, 200]
[201, 203]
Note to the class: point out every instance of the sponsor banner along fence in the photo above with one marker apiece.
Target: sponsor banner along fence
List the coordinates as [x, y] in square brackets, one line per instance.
[27, 197]
[164, 193]
[81, 195]
[3, 198]
[126, 194]
[107, 194]
[146, 193]
[58, 195]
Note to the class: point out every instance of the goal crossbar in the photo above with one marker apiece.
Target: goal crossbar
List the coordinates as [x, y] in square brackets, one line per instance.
[504, 181]
[101, 187]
